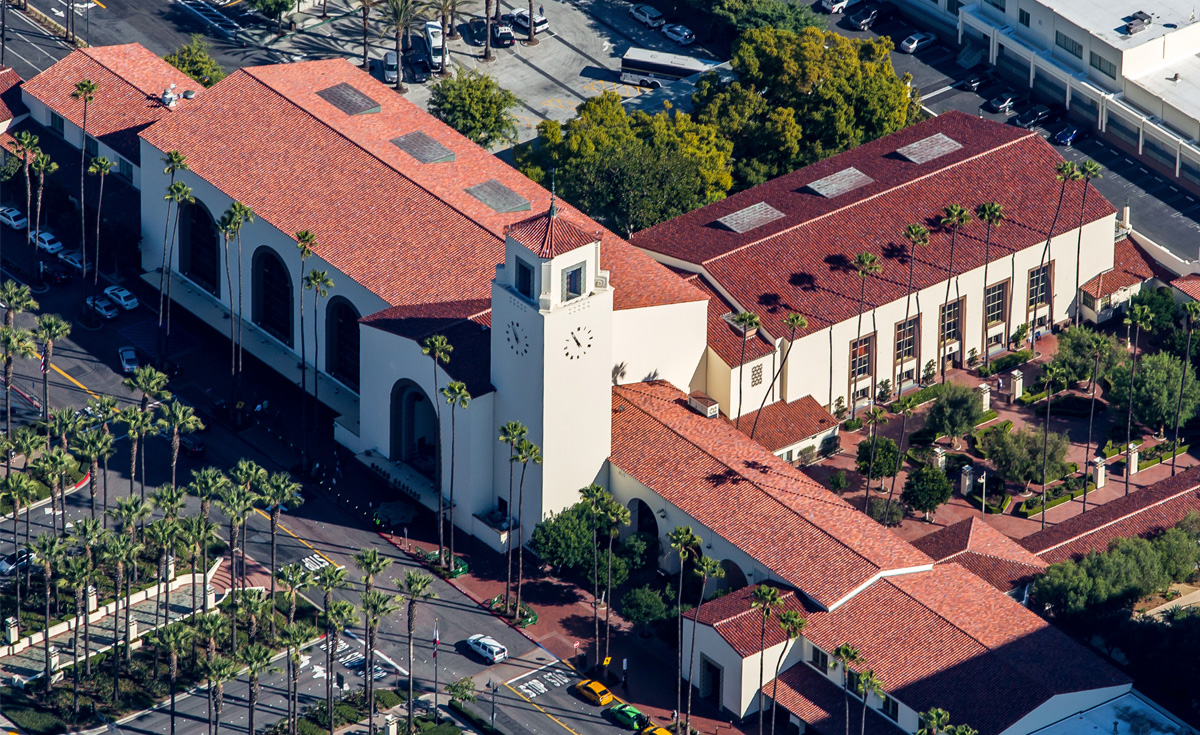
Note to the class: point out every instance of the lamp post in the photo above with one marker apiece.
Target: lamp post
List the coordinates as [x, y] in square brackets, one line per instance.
[492, 686]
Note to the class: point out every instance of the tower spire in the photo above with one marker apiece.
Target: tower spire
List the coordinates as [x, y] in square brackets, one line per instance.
[553, 196]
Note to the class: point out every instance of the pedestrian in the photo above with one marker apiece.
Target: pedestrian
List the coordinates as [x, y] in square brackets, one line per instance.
[674, 715]
[542, 10]
[999, 384]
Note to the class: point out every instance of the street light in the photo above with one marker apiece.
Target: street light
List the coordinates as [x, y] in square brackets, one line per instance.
[492, 685]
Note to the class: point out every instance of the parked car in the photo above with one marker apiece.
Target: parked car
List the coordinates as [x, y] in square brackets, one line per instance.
[917, 41]
[648, 16]
[190, 446]
[838, 6]
[1004, 102]
[121, 296]
[391, 67]
[628, 716]
[46, 242]
[594, 692]
[103, 307]
[489, 648]
[1069, 135]
[55, 273]
[869, 16]
[521, 19]
[73, 259]
[12, 217]
[419, 68]
[1035, 115]
[975, 80]
[502, 35]
[16, 560]
[129, 359]
[681, 35]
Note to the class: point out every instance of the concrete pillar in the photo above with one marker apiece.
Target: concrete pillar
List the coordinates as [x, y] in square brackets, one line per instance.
[390, 724]
[939, 456]
[210, 596]
[966, 476]
[170, 568]
[10, 630]
[985, 395]
[133, 629]
[1099, 476]
[1132, 465]
[55, 660]
[91, 598]
[1018, 383]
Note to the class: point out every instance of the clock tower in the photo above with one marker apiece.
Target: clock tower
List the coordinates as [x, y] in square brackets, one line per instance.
[551, 352]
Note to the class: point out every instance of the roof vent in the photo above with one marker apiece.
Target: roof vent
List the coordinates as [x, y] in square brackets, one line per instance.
[701, 403]
[1144, 17]
[189, 94]
[756, 215]
[348, 99]
[169, 97]
[1134, 26]
[499, 197]
[423, 148]
[842, 182]
[927, 149]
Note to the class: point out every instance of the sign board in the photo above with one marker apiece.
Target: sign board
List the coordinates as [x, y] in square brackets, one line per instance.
[576, 645]
[607, 660]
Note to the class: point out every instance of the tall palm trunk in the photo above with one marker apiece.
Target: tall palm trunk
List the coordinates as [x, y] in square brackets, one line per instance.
[274, 528]
[1045, 446]
[595, 589]
[1091, 418]
[679, 615]
[87, 642]
[1129, 468]
[774, 380]
[120, 572]
[608, 594]
[99, 208]
[862, 295]
[945, 303]
[737, 423]
[252, 704]
[1046, 258]
[75, 657]
[987, 257]
[174, 679]
[453, 442]
[412, 626]
[1079, 253]
[508, 537]
[687, 718]
[1183, 366]
[762, 660]
[899, 458]
[304, 354]
[487, 30]
[520, 541]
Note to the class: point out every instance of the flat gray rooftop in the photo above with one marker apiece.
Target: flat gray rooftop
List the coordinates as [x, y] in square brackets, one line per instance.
[1106, 19]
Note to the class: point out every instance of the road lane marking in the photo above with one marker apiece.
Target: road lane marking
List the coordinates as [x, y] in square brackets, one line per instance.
[544, 712]
[289, 532]
[59, 370]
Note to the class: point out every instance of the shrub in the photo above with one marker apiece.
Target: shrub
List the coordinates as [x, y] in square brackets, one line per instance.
[1029, 397]
[385, 699]
[852, 424]
[839, 407]
[884, 514]
[307, 727]
[642, 606]
[806, 455]
[1018, 336]
[924, 395]
[883, 391]
[838, 482]
[972, 357]
[481, 724]
[929, 372]
[831, 445]
[1004, 363]
[989, 415]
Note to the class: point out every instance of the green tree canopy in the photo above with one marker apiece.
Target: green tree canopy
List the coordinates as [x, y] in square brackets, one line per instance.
[565, 539]
[476, 106]
[803, 96]
[643, 606]
[1017, 455]
[740, 16]
[926, 488]
[1162, 306]
[955, 411]
[630, 171]
[886, 457]
[1129, 570]
[195, 59]
[273, 9]
[1156, 391]
[1076, 353]
[1178, 553]
[1064, 589]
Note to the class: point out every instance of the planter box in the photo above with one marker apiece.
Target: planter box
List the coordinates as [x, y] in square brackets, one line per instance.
[1033, 507]
[992, 508]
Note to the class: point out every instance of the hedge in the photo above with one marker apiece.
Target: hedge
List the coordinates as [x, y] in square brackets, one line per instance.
[981, 436]
[1073, 405]
[1153, 459]
[992, 508]
[479, 723]
[988, 415]
[1007, 362]
[1110, 450]
[1033, 505]
[1027, 398]
[922, 396]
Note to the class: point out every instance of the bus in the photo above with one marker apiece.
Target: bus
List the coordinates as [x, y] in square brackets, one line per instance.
[646, 68]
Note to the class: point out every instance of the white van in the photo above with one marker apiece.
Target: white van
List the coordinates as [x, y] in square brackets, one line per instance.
[838, 6]
[433, 38]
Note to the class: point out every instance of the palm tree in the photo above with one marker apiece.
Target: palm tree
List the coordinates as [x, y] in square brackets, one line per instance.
[218, 670]
[296, 579]
[457, 396]
[85, 89]
[338, 617]
[319, 283]
[746, 321]
[399, 16]
[175, 163]
[306, 242]
[50, 329]
[934, 721]
[1065, 171]
[256, 607]
[175, 638]
[163, 534]
[75, 573]
[99, 167]
[487, 31]
[865, 265]
[42, 167]
[530, 453]
[118, 551]
[196, 533]
[250, 477]
[375, 607]
[1098, 342]
[17, 299]
[438, 349]
[151, 383]
[25, 146]
[792, 625]
[22, 491]
[88, 536]
[1141, 318]
[170, 500]
[208, 629]
[257, 660]
[228, 225]
[130, 511]
[137, 425]
[956, 217]
[766, 600]
[847, 655]
[594, 497]
[237, 504]
[1192, 312]
[209, 484]
[245, 216]
[294, 638]
[795, 322]
[615, 515]
[61, 424]
[181, 194]
[416, 589]
[329, 579]
[278, 491]
[13, 343]
[707, 568]
[1087, 171]
[50, 553]
[510, 434]
[992, 215]
[24, 442]
[686, 544]
[50, 467]
[178, 418]
[366, 6]
[92, 446]
[1054, 373]
[371, 563]
[868, 684]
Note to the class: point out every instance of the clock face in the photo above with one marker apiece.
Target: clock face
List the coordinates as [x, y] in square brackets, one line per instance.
[518, 339]
[578, 342]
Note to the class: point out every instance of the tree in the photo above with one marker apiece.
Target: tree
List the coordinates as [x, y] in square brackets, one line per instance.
[137, 425]
[562, 539]
[1064, 171]
[1087, 171]
[511, 434]
[956, 217]
[707, 568]
[1053, 376]
[868, 684]
[748, 323]
[195, 60]
[416, 589]
[926, 489]
[14, 342]
[865, 265]
[399, 16]
[765, 599]
[1140, 316]
[739, 16]
[218, 670]
[1177, 552]
[462, 690]
[85, 89]
[50, 554]
[17, 299]
[162, 535]
[236, 504]
[794, 322]
[934, 721]
[151, 383]
[257, 660]
[274, 9]
[42, 168]
[278, 492]
[686, 545]
[990, 214]
[1192, 312]
[886, 456]
[955, 411]
[306, 243]
[1156, 396]
[338, 617]
[529, 453]
[294, 638]
[180, 194]
[643, 606]
[296, 579]
[366, 6]
[50, 329]
[1076, 353]
[244, 216]
[594, 499]
[847, 655]
[319, 283]
[174, 638]
[101, 167]
[476, 106]
[1161, 305]
[1018, 455]
[792, 625]
[76, 576]
[875, 417]
[438, 349]
[457, 396]
[918, 237]
[178, 418]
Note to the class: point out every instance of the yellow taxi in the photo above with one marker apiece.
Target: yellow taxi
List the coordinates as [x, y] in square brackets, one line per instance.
[594, 692]
[654, 730]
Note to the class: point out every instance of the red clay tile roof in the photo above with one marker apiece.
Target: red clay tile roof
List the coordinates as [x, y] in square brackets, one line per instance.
[549, 234]
[1189, 284]
[801, 262]
[1003, 574]
[925, 634]
[821, 704]
[11, 105]
[740, 624]
[1131, 266]
[407, 231]
[725, 339]
[782, 424]
[1143, 513]
[778, 515]
[984, 551]
[130, 81]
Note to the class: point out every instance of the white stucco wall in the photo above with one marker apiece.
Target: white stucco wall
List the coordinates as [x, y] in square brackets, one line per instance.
[73, 134]
[666, 342]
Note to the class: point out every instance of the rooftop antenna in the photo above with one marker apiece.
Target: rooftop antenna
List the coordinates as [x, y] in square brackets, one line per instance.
[553, 203]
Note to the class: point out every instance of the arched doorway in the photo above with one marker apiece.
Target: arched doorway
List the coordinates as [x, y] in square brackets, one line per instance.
[413, 428]
[735, 578]
[642, 520]
[341, 341]
[199, 253]
[272, 295]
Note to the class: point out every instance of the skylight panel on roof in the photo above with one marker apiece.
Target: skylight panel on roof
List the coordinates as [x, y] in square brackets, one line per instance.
[927, 149]
[423, 148]
[499, 197]
[756, 215]
[843, 181]
[348, 99]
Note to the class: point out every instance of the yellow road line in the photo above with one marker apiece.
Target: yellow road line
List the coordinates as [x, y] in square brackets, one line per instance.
[539, 709]
[59, 370]
[286, 529]
[100, 4]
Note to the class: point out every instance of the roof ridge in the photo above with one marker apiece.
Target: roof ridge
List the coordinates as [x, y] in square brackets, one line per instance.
[969, 159]
[85, 51]
[990, 556]
[1117, 520]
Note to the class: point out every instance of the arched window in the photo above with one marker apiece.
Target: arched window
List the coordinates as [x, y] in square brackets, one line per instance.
[272, 295]
[341, 341]
[413, 428]
[199, 252]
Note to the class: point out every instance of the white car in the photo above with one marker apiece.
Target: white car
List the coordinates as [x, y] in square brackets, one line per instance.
[103, 307]
[681, 35]
[15, 561]
[128, 358]
[121, 296]
[648, 16]
[837, 6]
[73, 259]
[47, 242]
[521, 18]
[918, 40]
[490, 648]
[12, 217]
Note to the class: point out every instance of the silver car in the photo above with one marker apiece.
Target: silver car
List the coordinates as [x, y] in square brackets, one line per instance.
[681, 35]
[648, 16]
[391, 67]
[129, 359]
[12, 217]
[16, 561]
